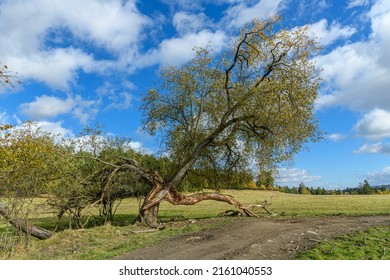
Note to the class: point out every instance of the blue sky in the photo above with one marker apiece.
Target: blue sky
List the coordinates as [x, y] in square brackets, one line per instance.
[87, 62]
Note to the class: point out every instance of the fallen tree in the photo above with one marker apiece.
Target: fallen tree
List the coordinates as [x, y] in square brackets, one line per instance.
[253, 102]
[21, 225]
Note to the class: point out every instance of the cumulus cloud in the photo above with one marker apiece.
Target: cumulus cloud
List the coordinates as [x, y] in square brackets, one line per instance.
[139, 147]
[242, 13]
[54, 128]
[28, 28]
[178, 50]
[46, 107]
[381, 177]
[185, 22]
[294, 175]
[97, 143]
[377, 148]
[357, 73]
[374, 125]
[57, 68]
[326, 33]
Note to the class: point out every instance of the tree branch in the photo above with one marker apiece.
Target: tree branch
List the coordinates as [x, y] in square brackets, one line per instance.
[176, 198]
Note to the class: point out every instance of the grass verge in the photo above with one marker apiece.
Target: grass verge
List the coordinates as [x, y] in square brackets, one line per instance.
[103, 242]
[372, 244]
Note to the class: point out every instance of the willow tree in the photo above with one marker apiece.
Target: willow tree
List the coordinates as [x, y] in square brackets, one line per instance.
[254, 101]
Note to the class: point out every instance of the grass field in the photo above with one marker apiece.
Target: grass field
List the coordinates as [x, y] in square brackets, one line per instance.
[373, 244]
[288, 204]
[104, 242]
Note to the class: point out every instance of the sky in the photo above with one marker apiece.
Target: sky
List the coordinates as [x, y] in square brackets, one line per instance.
[88, 62]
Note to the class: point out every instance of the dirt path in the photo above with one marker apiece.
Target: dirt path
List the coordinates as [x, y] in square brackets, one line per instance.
[249, 238]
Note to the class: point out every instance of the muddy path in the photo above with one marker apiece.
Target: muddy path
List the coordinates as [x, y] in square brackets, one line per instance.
[249, 238]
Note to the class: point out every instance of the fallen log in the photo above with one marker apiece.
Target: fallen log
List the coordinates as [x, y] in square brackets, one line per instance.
[21, 225]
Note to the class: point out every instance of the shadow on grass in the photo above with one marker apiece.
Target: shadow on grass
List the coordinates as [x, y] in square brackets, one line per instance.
[52, 224]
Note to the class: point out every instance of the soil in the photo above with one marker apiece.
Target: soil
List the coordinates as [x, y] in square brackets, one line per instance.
[273, 238]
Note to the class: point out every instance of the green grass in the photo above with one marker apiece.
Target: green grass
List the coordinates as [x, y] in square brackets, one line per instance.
[289, 204]
[373, 244]
[103, 242]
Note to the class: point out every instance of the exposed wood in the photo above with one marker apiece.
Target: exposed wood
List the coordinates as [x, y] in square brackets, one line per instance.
[143, 231]
[264, 205]
[176, 198]
[21, 225]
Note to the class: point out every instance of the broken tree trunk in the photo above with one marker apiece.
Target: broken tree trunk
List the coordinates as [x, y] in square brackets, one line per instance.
[176, 198]
[20, 224]
[148, 213]
[162, 190]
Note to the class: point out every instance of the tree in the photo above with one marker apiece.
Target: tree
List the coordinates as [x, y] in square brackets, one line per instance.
[365, 188]
[27, 163]
[254, 101]
[302, 189]
[265, 178]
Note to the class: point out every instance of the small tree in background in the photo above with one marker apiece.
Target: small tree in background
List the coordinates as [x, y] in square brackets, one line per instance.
[365, 188]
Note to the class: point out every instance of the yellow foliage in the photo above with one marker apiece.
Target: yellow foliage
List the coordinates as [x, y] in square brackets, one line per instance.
[251, 185]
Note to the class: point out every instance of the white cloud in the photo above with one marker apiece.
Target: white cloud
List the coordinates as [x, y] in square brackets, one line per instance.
[327, 34]
[357, 3]
[57, 68]
[115, 98]
[139, 147]
[289, 176]
[28, 27]
[176, 51]
[336, 137]
[374, 125]
[357, 74]
[46, 107]
[312, 7]
[54, 128]
[242, 13]
[377, 148]
[85, 110]
[188, 5]
[189, 23]
[120, 101]
[4, 118]
[96, 143]
[379, 178]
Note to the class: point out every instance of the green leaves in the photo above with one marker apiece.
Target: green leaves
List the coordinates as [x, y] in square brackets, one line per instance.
[255, 100]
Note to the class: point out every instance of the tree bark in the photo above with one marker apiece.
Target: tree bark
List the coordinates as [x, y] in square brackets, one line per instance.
[148, 213]
[149, 210]
[162, 190]
[176, 198]
[20, 224]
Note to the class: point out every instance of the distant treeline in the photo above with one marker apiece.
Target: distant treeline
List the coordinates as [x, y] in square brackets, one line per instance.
[363, 188]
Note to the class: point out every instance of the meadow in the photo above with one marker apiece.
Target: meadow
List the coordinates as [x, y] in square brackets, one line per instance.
[104, 242]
